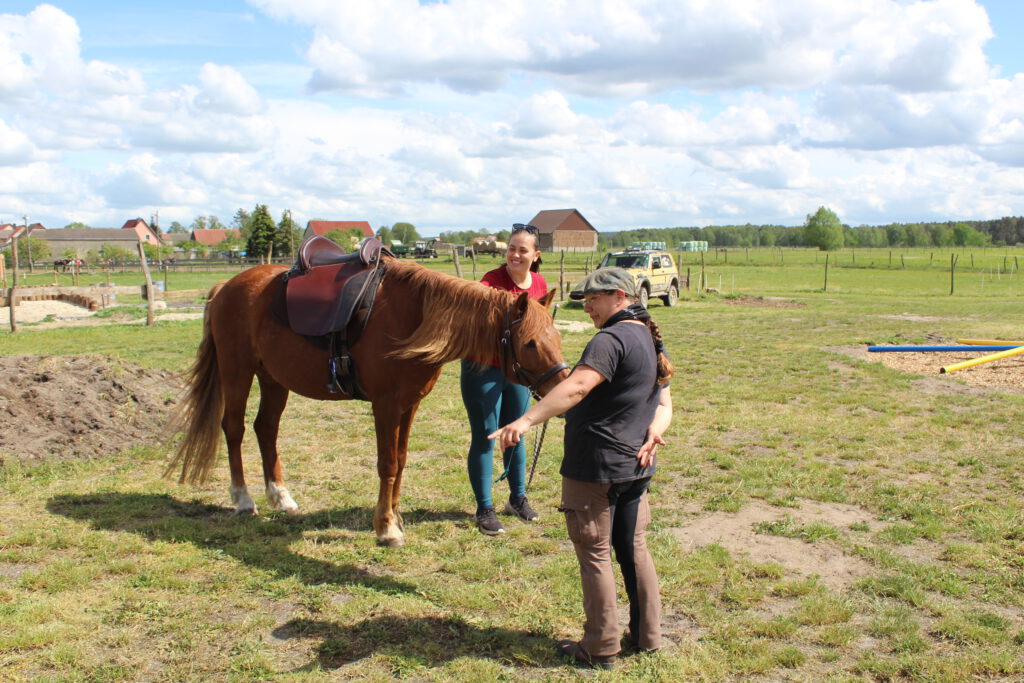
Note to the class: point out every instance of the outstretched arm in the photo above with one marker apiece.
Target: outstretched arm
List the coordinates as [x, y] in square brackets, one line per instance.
[564, 396]
[662, 418]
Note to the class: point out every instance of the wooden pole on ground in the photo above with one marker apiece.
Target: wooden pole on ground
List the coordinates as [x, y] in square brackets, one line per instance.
[3, 271]
[149, 286]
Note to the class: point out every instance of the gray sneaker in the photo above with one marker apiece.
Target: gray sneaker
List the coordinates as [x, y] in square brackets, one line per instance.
[520, 507]
[488, 523]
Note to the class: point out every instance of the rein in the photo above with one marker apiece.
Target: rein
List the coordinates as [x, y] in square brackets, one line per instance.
[508, 355]
[524, 376]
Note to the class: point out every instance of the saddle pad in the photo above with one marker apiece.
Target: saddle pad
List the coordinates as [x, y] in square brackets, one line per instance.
[322, 300]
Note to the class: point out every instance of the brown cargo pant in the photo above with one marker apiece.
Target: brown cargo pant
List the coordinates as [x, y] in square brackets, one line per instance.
[600, 517]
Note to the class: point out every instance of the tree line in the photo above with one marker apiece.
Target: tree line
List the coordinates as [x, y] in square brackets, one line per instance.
[824, 230]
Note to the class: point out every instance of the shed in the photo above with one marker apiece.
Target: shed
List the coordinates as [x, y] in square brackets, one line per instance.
[565, 229]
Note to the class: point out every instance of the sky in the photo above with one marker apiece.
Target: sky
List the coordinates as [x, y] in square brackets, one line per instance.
[472, 114]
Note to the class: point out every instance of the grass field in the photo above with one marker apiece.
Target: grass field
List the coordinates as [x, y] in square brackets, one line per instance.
[816, 517]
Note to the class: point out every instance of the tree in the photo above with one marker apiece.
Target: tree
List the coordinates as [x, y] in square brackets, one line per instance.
[405, 232]
[261, 232]
[177, 227]
[114, 252]
[32, 249]
[824, 230]
[347, 238]
[241, 221]
[287, 236]
[76, 224]
[966, 236]
[384, 235]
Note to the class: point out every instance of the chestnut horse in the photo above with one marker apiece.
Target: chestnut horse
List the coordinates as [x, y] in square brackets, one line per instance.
[421, 320]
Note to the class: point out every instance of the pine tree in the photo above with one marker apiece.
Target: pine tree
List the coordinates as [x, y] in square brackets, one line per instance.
[261, 232]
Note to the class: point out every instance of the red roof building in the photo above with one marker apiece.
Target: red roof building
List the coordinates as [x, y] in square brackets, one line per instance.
[142, 230]
[214, 237]
[324, 227]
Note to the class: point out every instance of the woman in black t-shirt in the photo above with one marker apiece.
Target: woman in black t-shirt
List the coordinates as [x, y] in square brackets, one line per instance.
[617, 406]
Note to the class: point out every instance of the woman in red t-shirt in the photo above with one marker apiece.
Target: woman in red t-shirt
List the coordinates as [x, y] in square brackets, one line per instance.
[492, 400]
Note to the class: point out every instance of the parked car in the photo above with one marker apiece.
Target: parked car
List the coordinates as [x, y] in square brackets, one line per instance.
[654, 271]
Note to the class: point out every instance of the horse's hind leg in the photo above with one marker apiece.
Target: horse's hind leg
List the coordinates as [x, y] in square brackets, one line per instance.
[273, 399]
[233, 423]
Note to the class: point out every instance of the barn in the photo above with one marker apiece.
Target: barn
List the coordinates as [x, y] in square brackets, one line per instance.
[565, 230]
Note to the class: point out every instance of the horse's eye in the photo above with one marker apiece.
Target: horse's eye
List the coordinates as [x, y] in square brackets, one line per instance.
[530, 344]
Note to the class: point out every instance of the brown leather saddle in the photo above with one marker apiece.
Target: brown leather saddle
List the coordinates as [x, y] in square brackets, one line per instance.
[327, 297]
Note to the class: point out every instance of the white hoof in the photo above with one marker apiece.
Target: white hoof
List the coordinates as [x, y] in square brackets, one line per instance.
[280, 499]
[244, 504]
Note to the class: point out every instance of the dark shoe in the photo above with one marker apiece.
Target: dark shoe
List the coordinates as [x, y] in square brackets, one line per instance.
[628, 643]
[520, 507]
[575, 651]
[487, 522]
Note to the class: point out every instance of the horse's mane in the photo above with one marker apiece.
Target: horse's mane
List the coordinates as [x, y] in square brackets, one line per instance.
[461, 318]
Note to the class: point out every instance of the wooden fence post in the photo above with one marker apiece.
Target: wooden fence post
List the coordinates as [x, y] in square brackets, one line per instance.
[12, 298]
[825, 288]
[561, 278]
[149, 285]
[455, 260]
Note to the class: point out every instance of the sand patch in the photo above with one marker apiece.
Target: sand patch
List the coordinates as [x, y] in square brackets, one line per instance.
[735, 532]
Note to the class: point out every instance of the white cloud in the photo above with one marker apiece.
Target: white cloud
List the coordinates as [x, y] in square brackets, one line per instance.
[543, 114]
[614, 47]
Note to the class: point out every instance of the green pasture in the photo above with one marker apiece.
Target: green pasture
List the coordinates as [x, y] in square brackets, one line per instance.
[892, 504]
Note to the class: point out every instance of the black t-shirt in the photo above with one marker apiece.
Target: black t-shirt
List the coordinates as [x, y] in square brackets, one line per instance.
[604, 431]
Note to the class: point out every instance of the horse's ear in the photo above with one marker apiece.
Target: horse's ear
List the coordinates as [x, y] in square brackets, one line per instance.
[548, 298]
[522, 302]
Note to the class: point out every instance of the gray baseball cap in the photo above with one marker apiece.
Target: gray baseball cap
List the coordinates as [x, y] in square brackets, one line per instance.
[605, 280]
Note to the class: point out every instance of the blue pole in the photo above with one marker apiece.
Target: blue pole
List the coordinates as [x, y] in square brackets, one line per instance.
[905, 349]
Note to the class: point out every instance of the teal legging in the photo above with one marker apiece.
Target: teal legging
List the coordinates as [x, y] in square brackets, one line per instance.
[492, 401]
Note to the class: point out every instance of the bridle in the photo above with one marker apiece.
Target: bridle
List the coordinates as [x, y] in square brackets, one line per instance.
[524, 376]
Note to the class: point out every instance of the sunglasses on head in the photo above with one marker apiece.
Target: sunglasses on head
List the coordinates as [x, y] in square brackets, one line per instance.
[523, 227]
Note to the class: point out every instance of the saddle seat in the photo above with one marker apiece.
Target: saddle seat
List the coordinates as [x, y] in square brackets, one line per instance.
[327, 284]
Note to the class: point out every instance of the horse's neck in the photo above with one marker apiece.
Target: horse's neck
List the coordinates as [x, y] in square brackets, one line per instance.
[483, 332]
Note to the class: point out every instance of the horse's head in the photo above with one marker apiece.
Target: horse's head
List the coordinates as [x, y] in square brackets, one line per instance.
[531, 347]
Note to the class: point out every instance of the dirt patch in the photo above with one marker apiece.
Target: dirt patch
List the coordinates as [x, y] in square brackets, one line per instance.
[764, 302]
[735, 532]
[1006, 374]
[80, 406]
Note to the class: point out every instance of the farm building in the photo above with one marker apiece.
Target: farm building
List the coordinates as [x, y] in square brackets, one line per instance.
[324, 227]
[213, 237]
[81, 240]
[565, 229]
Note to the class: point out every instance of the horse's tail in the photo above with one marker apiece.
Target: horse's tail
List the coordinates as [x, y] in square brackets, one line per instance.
[200, 412]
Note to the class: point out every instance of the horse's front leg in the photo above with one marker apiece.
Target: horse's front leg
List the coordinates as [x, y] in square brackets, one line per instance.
[273, 399]
[404, 427]
[392, 436]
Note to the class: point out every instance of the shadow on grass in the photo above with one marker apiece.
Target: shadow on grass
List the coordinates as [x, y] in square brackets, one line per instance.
[428, 641]
[261, 542]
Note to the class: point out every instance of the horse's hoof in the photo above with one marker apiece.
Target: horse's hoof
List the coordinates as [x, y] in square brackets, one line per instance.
[293, 510]
[252, 512]
[394, 542]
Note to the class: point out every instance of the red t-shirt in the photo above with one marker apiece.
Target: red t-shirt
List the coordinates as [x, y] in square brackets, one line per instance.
[500, 279]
